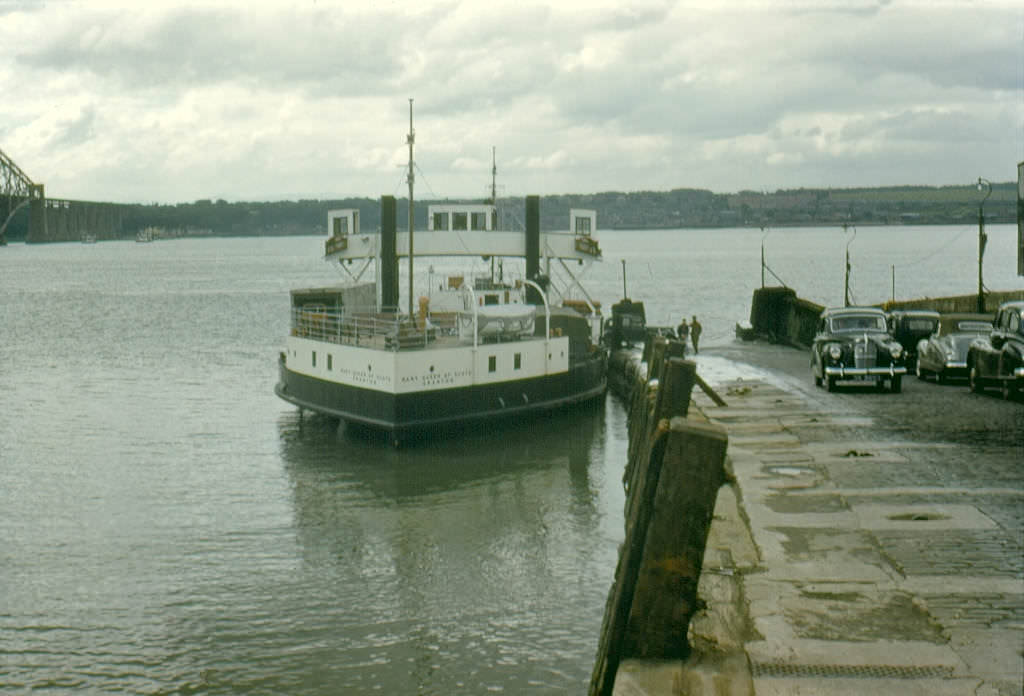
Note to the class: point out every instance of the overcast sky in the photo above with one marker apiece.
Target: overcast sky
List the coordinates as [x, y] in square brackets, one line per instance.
[162, 101]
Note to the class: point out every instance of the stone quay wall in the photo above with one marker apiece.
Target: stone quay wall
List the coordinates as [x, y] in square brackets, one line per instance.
[776, 313]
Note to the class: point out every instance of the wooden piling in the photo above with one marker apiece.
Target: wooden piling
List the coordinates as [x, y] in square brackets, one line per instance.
[675, 468]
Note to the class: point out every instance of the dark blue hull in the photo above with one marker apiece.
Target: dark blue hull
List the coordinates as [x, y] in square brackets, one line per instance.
[404, 415]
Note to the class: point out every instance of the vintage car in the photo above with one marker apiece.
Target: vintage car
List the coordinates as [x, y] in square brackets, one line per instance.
[909, 326]
[944, 353]
[853, 344]
[997, 359]
[628, 324]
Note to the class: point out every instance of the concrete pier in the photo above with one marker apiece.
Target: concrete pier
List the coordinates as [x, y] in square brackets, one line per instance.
[845, 557]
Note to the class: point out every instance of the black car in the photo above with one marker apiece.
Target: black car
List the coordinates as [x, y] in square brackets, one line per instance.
[628, 324]
[998, 359]
[944, 353]
[909, 326]
[854, 344]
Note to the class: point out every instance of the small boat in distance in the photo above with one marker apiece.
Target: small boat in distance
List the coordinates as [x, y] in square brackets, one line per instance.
[145, 235]
[88, 238]
[469, 347]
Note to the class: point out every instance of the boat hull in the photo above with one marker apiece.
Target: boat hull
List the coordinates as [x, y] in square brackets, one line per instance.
[411, 413]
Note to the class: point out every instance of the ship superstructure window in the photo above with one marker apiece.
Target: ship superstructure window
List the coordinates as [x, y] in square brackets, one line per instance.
[478, 221]
[582, 225]
[314, 358]
[460, 221]
[340, 226]
[517, 361]
[330, 361]
[440, 221]
[492, 363]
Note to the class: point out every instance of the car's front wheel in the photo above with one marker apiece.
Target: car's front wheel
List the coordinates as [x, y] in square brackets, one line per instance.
[973, 380]
[1008, 389]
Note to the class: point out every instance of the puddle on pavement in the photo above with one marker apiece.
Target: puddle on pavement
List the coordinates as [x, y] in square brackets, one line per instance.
[853, 617]
[790, 471]
[918, 517]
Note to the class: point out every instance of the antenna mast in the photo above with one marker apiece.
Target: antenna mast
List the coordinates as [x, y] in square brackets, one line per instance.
[410, 139]
[494, 176]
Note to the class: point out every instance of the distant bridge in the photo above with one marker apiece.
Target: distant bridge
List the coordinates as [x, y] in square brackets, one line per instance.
[53, 220]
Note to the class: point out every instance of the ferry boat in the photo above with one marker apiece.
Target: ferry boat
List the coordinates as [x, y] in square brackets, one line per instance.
[467, 348]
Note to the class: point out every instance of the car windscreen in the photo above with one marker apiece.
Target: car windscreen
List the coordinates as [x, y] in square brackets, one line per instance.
[927, 325]
[859, 322]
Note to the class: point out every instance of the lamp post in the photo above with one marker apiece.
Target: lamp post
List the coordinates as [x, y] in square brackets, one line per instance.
[982, 239]
[762, 254]
[846, 282]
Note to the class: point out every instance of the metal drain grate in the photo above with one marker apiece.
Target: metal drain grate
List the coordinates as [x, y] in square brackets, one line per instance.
[775, 669]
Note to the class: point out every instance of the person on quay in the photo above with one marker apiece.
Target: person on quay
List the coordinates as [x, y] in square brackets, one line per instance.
[683, 331]
[695, 329]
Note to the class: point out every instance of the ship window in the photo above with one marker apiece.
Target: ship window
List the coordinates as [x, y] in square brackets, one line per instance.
[330, 361]
[440, 221]
[492, 364]
[491, 299]
[314, 358]
[479, 221]
[340, 226]
[582, 225]
[460, 221]
[518, 361]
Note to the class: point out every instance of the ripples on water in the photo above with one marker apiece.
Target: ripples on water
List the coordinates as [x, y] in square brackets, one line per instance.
[170, 526]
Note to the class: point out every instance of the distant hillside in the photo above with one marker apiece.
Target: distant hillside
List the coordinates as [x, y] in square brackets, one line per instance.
[679, 208]
[682, 208]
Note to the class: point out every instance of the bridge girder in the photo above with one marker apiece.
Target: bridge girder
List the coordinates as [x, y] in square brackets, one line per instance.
[13, 181]
[16, 190]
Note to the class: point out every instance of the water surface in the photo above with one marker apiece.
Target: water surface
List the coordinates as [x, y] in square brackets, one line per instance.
[170, 526]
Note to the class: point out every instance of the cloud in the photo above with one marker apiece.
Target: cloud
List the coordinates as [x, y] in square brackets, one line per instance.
[189, 46]
[75, 131]
[239, 100]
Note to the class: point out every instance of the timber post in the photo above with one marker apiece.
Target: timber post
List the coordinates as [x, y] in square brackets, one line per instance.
[676, 466]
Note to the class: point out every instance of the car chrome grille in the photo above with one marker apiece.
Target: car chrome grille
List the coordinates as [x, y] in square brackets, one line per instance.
[864, 355]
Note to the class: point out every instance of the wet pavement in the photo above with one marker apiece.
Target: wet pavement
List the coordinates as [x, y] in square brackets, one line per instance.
[871, 542]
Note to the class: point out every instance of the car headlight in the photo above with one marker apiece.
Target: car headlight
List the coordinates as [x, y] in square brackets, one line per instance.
[835, 351]
[895, 351]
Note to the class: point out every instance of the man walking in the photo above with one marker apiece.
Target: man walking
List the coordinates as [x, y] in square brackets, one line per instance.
[683, 332]
[695, 329]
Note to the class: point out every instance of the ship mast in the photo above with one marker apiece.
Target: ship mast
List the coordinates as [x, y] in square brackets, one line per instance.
[410, 139]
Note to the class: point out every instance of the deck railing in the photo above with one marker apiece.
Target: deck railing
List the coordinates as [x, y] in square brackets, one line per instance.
[372, 329]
